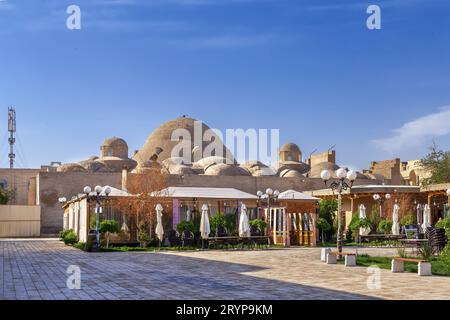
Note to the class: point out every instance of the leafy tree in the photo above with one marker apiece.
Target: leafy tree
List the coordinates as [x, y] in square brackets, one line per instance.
[327, 211]
[5, 195]
[259, 224]
[437, 162]
[408, 220]
[186, 226]
[385, 226]
[358, 223]
[216, 221]
[109, 227]
[143, 234]
[323, 226]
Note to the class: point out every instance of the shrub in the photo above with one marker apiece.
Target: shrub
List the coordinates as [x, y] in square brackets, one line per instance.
[143, 234]
[216, 221]
[70, 237]
[356, 224]
[407, 220]
[63, 233]
[402, 253]
[426, 251]
[231, 224]
[186, 226]
[385, 226]
[259, 224]
[444, 224]
[108, 227]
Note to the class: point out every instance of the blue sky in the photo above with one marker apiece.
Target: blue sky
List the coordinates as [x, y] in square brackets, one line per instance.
[310, 68]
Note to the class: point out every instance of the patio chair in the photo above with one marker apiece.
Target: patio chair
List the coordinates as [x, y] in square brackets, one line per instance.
[174, 238]
[187, 239]
[221, 232]
[437, 239]
[255, 232]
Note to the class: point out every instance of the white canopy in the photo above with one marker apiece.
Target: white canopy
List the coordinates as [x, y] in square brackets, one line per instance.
[206, 193]
[296, 195]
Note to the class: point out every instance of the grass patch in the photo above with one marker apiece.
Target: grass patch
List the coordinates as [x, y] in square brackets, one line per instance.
[334, 244]
[440, 266]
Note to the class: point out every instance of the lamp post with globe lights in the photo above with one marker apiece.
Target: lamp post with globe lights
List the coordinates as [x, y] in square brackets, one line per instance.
[379, 199]
[270, 196]
[345, 181]
[98, 206]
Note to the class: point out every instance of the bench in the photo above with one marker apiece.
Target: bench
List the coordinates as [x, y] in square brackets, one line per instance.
[398, 265]
[330, 257]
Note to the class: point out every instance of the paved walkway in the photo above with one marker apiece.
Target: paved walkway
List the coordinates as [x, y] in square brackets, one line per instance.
[37, 270]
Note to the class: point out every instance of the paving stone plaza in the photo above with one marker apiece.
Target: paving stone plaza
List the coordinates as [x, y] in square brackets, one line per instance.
[37, 270]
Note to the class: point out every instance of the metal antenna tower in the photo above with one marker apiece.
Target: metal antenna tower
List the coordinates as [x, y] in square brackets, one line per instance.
[12, 132]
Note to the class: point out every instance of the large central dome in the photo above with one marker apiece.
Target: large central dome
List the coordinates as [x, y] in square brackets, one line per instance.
[160, 142]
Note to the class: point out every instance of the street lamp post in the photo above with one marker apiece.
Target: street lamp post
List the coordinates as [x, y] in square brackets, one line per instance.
[269, 195]
[339, 186]
[98, 207]
[379, 200]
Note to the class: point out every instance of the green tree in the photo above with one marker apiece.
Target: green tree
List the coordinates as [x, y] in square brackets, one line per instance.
[356, 224]
[5, 195]
[327, 211]
[437, 162]
[109, 227]
[323, 226]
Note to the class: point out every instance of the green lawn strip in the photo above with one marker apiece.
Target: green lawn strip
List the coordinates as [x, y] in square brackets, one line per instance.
[82, 246]
[440, 266]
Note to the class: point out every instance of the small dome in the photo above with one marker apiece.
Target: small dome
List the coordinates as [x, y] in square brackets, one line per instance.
[318, 168]
[71, 167]
[290, 152]
[118, 164]
[290, 147]
[114, 147]
[209, 161]
[172, 161]
[222, 169]
[301, 167]
[257, 168]
[180, 170]
[290, 173]
[96, 166]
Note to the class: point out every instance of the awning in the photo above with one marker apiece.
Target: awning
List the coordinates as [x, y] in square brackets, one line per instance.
[296, 195]
[206, 193]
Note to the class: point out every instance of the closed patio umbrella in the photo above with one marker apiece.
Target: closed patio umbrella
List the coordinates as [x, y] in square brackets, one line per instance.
[395, 223]
[362, 215]
[188, 216]
[244, 226]
[426, 218]
[159, 226]
[205, 227]
[125, 228]
[419, 214]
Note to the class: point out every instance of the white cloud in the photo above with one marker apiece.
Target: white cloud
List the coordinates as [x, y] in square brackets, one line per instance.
[417, 132]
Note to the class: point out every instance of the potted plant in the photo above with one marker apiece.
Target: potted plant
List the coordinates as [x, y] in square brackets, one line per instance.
[108, 228]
